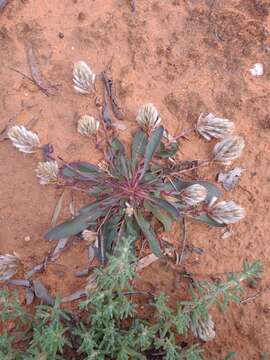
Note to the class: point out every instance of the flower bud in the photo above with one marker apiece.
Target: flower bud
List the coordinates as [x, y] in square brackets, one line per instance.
[148, 117]
[226, 212]
[210, 126]
[193, 194]
[9, 265]
[88, 126]
[24, 140]
[203, 329]
[228, 149]
[83, 78]
[47, 172]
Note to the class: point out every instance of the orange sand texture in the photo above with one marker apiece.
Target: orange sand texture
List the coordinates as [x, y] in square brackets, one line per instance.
[186, 57]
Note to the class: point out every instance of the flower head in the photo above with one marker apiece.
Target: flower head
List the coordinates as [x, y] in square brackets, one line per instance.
[210, 126]
[24, 140]
[226, 212]
[193, 194]
[204, 329]
[228, 149]
[83, 78]
[88, 126]
[129, 210]
[47, 172]
[148, 117]
[9, 265]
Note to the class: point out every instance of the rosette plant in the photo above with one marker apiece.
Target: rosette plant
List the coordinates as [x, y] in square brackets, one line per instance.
[129, 188]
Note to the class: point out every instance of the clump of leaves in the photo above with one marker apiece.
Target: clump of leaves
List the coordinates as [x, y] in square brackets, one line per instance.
[111, 326]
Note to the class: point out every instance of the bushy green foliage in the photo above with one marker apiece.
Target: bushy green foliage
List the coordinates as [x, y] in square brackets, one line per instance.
[111, 326]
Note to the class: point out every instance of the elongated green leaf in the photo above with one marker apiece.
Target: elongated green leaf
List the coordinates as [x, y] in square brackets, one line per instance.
[207, 220]
[84, 166]
[153, 143]
[165, 220]
[72, 171]
[165, 205]
[148, 232]
[138, 147]
[71, 227]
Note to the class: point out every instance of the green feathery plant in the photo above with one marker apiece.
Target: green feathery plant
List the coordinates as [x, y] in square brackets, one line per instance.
[111, 326]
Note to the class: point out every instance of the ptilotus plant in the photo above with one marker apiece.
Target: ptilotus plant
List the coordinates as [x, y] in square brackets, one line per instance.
[131, 186]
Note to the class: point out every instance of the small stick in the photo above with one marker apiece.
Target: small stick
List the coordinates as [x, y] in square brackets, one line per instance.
[184, 241]
[21, 73]
[253, 297]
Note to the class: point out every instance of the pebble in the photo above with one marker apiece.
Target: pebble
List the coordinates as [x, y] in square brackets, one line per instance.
[256, 70]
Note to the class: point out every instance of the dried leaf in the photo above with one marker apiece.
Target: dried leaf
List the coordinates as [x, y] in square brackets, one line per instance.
[59, 248]
[47, 88]
[42, 293]
[146, 261]
[57, 209]
[19, 282]
[230, 179]
[37, 269]
[29, 296]
[3, 4]
[82, 273]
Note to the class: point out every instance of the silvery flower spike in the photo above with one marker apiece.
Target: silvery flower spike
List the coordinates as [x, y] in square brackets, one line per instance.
[47, 172]
[83, 78]
[204, 329]
[9, 265]
[226, 212]
[210, 126]
[193, 194]
[24, 140]
[228, 149]
[148, 117]
[88, 126]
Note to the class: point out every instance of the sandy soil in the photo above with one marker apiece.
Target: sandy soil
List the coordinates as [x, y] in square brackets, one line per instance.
[185, 56]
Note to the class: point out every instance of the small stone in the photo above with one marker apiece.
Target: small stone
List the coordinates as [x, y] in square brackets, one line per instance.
[61, 35]
[27, 238]
[256, 70]
[81, 16]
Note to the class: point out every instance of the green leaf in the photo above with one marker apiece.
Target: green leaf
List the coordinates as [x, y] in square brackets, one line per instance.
[170, 151]
[138, 147]
[165, 220]
[230, 355]
[84, 166]
[207, 220]
[148, 232]
[117, 146]
[79, 223]
[153, 143]
[81, 171]
[172, 210]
